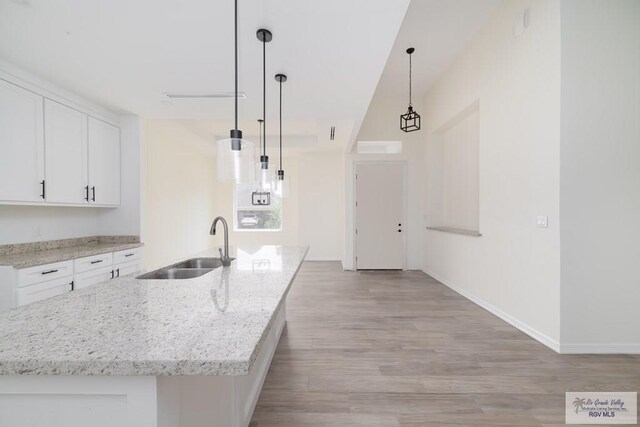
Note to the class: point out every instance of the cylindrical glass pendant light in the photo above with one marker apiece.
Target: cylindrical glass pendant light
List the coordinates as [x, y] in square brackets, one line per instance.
[282, 184]
[235, 156]
[263, 176]
[264, 173]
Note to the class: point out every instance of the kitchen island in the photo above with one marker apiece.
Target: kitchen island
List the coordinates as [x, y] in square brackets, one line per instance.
[130, 352]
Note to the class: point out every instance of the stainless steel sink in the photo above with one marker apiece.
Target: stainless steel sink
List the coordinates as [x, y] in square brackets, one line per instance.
[200, 263]
[175, 273]
[194, 267]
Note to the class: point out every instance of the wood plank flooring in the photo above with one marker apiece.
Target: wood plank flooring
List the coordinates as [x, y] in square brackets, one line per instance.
[401, 349]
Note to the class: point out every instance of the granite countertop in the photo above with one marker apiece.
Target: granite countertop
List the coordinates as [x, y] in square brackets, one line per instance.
[211, 325]
[31, 254]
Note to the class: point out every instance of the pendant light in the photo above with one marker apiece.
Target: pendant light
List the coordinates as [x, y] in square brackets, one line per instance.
[235, 156]
[264, 175]
[261, 196]
[282, 185]
[410, 121]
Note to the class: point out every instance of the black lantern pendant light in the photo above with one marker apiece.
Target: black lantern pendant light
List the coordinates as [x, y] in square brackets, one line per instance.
[410, 121]
[282, 185]
[236, 159]
[263, 176]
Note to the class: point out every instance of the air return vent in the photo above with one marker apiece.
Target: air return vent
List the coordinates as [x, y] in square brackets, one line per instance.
[212, 95]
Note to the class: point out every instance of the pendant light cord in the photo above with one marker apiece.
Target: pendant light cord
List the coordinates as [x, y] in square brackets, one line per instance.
[236, 59]
[280, 124]
[410, 79]
[264, 94]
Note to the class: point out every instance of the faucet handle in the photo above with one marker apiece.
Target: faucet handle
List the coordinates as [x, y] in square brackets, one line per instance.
[220, 250]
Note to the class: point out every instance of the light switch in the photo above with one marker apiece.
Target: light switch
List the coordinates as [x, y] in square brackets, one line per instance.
[542, 222]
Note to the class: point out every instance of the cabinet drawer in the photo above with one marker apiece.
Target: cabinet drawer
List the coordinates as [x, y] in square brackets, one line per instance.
[127, 268]
[92, 277]
[44, 273]
[92, 262]
[39, 291]
[127, 255]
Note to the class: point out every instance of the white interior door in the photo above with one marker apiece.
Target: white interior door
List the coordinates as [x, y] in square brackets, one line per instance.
[104, 163]
[380, 216]
[65, 145]
[21, 144]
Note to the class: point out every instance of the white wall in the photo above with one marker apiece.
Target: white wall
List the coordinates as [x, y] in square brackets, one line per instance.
[600, 174]
[22, 224]
[453, 169]
[179, 187]
[514, 267]
[321, 205]
[126, 219]
[382, 123]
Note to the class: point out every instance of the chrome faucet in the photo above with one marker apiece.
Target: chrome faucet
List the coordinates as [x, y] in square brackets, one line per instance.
[226, 261]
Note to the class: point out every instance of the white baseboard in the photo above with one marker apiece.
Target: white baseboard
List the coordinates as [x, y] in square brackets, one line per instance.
[632, 348]
[533, 333]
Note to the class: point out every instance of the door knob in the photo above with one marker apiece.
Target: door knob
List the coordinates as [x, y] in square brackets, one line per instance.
[399, 231]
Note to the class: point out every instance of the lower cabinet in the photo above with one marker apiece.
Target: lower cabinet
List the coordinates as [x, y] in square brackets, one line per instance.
[108, 272]
[39, 291]
[28, 285]
[127, 268]
[93, 277]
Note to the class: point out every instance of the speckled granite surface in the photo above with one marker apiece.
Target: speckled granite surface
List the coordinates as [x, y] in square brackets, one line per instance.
[211, 325]
[25, 255]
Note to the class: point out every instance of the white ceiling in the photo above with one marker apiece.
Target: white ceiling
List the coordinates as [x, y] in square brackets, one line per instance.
[438, 30]
[124, 54]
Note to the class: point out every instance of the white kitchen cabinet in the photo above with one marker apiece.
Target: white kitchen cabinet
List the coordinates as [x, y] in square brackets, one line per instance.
[40, 291]
[93, 277]
[21, 144]
[20, 286]
[42, 273]
[92, 262]
[65, 138]
[128, 255]
[127, 268]
[104, 163]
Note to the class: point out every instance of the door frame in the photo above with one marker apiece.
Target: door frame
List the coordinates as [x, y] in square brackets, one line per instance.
[405, 181]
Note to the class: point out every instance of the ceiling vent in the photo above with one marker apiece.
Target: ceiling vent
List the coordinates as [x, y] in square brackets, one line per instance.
[379, 147]
[213, 95]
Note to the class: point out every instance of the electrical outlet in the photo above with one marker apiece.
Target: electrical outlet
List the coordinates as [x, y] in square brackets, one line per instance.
[542, 222]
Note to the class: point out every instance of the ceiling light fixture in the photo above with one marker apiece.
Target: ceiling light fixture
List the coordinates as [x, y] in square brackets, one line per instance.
[410, 121]
[282, 185]
[264, 175]
[261, 196]
[235, 155]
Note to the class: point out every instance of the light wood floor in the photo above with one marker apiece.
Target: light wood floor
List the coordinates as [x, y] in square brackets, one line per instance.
[401, 349]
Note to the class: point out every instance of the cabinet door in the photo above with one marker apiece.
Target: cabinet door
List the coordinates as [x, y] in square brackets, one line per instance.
[104, 163]
[65, 143]
[21, 144]
[93, 277]
[40, 291]
[127, 268]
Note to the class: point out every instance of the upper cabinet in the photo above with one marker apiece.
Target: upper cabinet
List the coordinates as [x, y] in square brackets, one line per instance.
[21, 145]
[104, 163]
[65, 137]
[53, 154]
